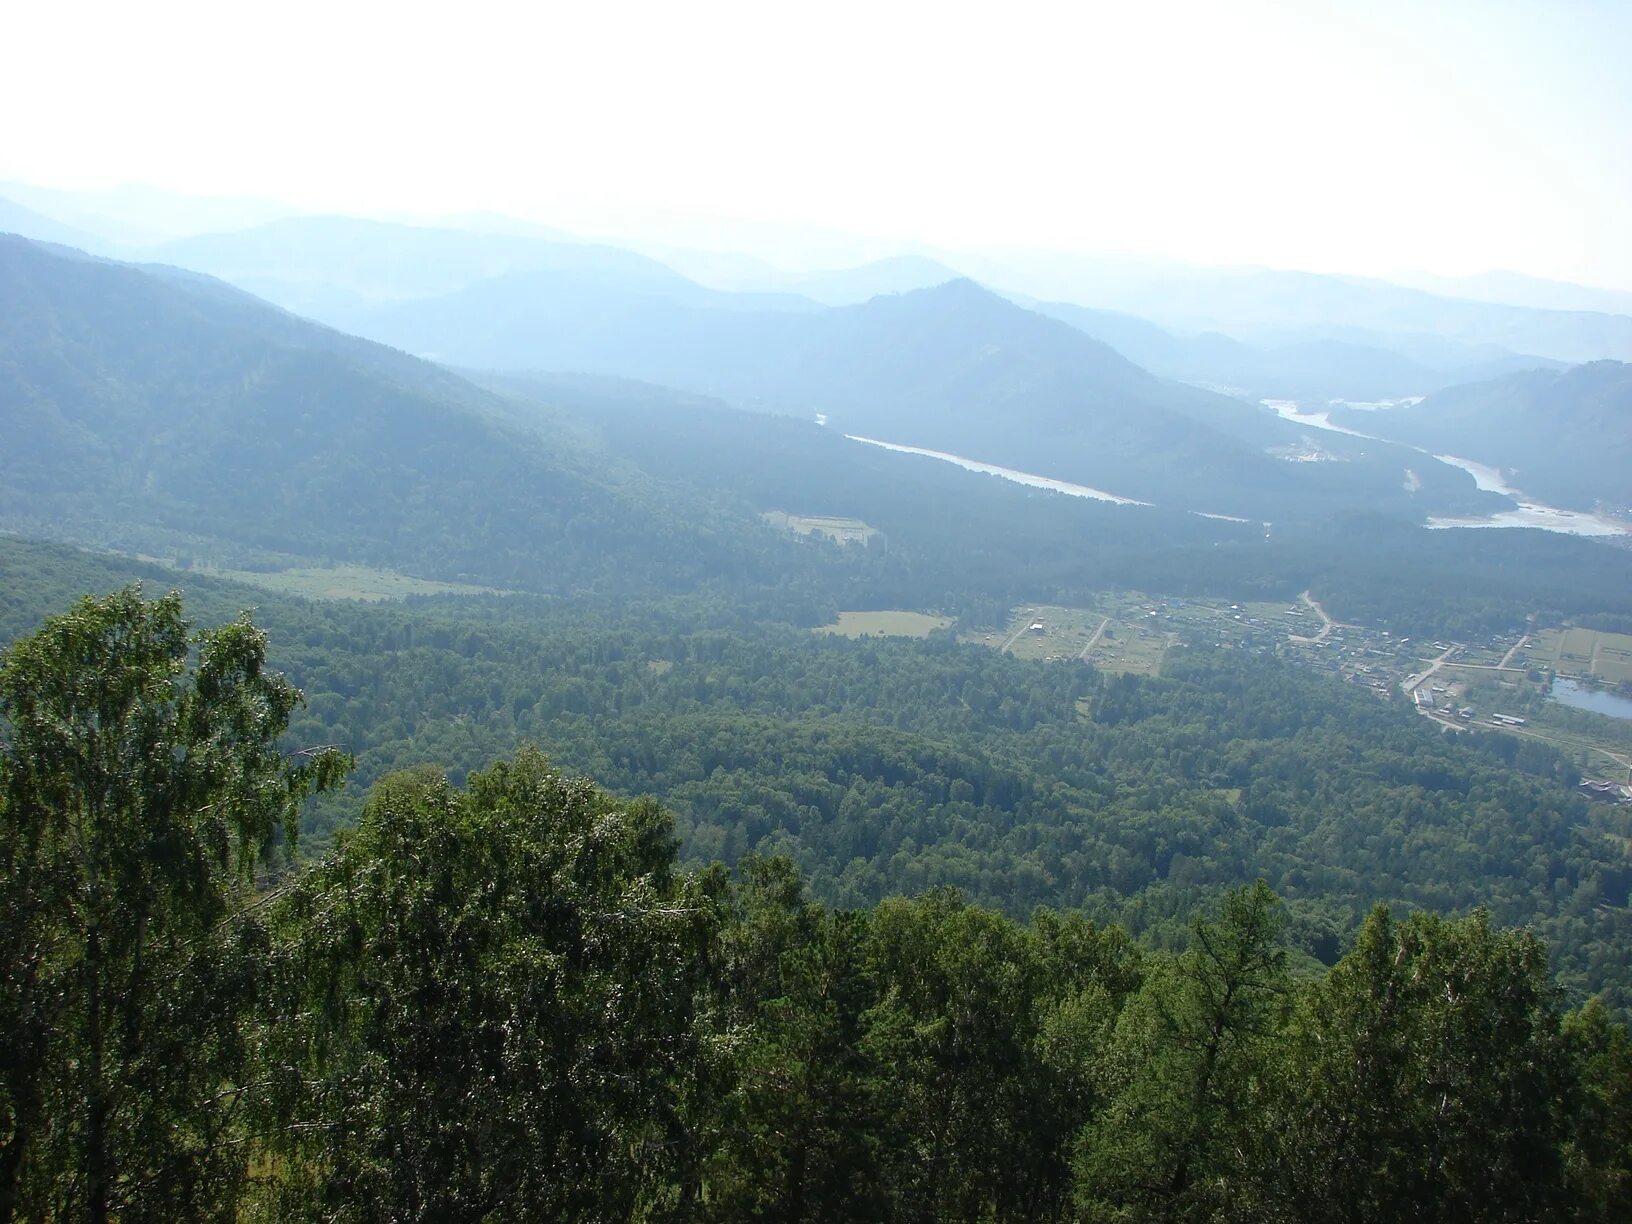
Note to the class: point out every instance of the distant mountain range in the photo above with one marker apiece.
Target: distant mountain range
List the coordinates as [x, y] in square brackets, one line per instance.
[329, 268]
[852, 286]
[16, 219]
[1263, 306]
[1516, 289]
[134, 215]
[155, 411]
[1564, 437]
[1311, 370]
[953, 368]
[911, 358]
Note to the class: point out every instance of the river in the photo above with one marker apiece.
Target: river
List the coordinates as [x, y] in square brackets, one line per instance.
[991, 469]
[1489, 479]
[1029, 479]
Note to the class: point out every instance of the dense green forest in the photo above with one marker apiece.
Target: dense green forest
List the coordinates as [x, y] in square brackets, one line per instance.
[506, 999]
[890, 766]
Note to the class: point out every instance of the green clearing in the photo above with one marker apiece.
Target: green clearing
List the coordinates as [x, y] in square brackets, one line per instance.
[1134, 651]
[885, 624]
[1126, 644]
[834, 527]
[1585, 653]
[355, 582]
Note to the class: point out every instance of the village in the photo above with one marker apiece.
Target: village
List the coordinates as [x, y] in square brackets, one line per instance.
[1497, 684]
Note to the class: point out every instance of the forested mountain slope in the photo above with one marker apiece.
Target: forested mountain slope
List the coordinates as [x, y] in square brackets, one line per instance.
[1564, 437]
[976, 544]
[953, 368]
[152, 410]
[162, 411]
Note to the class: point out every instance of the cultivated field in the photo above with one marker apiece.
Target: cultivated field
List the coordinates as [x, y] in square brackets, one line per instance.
[1109, 636]
[1588, 653]
[844, 530]
[886, 624]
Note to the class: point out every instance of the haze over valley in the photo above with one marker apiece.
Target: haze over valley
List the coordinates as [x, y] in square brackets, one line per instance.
[646, 615]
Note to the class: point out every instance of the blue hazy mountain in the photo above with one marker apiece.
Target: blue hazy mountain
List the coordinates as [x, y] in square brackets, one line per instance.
[1563, 436]
[16, 219]
[1319, 370]
[954, 368]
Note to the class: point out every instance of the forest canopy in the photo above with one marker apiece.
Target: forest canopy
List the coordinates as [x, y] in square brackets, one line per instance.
[509, 999]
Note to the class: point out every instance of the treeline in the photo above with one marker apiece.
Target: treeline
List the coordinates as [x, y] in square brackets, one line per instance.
[507, 1000]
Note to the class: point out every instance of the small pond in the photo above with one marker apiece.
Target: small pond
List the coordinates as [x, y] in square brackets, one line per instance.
[1570, 693]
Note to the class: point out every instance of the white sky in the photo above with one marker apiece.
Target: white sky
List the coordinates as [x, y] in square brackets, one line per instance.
[1365, 137]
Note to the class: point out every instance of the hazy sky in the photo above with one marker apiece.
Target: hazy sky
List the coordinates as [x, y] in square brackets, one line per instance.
[1366, 137]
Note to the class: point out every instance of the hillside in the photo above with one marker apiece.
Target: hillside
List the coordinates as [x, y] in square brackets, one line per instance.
[162, 412]
[1564, 437]
[954, 368]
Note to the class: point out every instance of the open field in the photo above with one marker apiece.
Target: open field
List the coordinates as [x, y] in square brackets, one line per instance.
[1111, 636]
[1587, 653]
[1135, 651]
[345, 582]
[1491, 678]
[886, 624]
[844, 530]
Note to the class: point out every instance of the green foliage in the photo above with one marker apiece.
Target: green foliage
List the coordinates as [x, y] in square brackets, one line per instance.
[1185, 1073]
[794, 1132]
[1600, 1154]
[137, 793]
[487, 1006]
[1428, 1074]
[508, 1000]
[891, 767]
